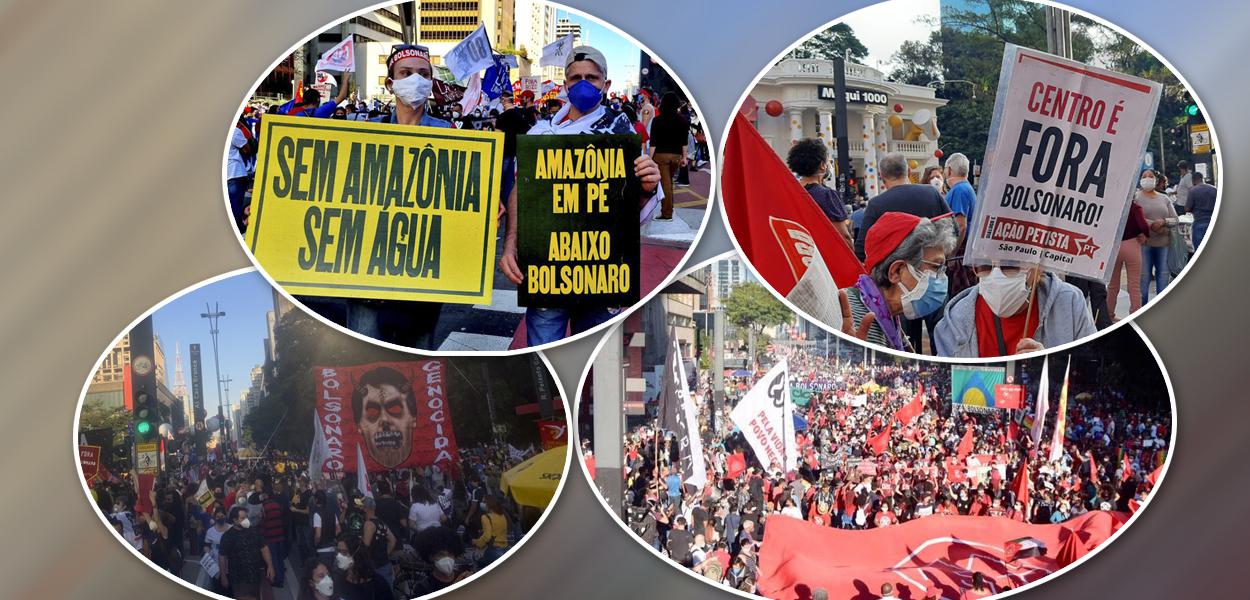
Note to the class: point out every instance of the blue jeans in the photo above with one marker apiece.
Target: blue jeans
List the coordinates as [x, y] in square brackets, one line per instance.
[1200, 232]
[1154, 260]
[277, 556]
[236, 189]
[387, 573]
[546, 325]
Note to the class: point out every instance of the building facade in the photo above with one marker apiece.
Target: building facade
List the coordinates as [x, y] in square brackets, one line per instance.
[805, 89]
[535, 28]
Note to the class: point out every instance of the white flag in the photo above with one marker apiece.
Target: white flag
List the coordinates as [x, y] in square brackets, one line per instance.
[698, 469]
[555, 53]
[319, 453]
[342, 57]
[1041, 406]
[1061, 421]
[362, 474]
[472, 55]
[766, 417]
[472, 94]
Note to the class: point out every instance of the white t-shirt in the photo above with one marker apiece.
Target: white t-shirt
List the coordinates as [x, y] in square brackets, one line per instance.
[212, 538]
[424, 516]
[236, 163]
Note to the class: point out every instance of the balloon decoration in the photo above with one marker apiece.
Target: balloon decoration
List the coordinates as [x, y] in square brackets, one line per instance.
[898, 108]
[913, 165]
[773, 108]
[895, 121]
[938, 153]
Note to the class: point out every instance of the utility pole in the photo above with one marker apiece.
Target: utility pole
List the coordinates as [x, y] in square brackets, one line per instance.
[214, 314]
[840, 127]
[225, 435]
[490, 402]
[1058, 32]
[609, 420]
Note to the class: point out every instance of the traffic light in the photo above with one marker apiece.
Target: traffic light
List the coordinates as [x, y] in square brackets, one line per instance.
[147, 416]
[1191, 110]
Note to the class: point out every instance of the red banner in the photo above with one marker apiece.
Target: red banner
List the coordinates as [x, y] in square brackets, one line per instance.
[396, 412]
[89, 456]
[1027, 233]
[553, 433]
[935, 555]
[1009, 395]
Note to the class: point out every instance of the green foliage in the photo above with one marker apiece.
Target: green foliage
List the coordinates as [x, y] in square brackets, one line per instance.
[836, 41]
[98, 416]
[918, 63]
[751, 307]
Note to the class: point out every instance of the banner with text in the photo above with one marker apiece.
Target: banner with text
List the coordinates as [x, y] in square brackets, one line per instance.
[973, 387]
[577, 228]
[1061, 164]
[369, 210]
[766, 417]
[396, 411]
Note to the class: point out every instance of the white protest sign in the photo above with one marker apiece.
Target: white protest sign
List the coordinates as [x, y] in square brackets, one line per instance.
[472, 55]
[766, 417]
[531, 83]
[342, 57]
[1061, 164]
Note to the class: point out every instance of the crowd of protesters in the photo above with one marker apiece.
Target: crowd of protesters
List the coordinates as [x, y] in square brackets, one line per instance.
[418, 530]
[944, 461]
[912, 236]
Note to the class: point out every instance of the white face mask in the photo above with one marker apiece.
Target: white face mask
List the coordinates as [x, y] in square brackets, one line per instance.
[936, 182]
[1147, 183]
[412, 90]
[325, 586]
[445, 565]
[245, 523]
[342, 561]
[1005, 294]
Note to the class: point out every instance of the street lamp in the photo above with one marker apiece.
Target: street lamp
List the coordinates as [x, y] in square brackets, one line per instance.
[213, 314]
[940, 83]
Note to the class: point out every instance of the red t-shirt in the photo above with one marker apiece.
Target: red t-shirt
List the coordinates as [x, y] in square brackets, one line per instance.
[1013, 329]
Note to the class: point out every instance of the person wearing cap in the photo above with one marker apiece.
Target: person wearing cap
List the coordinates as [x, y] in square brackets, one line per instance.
[409, 77]
[310, 104]
[586, 81]
[906, 259]
[1012, 310]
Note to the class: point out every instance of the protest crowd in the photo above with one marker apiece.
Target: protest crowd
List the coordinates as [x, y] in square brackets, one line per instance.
[404, 534]
[673, 144]
[879, 446]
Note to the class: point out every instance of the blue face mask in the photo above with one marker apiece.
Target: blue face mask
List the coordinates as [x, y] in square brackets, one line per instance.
[927, 297]
[585, 96]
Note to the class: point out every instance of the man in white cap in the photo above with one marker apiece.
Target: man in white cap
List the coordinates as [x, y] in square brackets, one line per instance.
[586, 81]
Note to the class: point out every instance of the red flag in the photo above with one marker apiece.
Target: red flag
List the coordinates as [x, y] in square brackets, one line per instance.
[965, 444]
[299, 93]
[1128, 469]
[780, 229]
[912, 409]
[881, 442]
[1020, 485]
[735, 464]
[1013, 431]
[1153, 478]
[1093, 468]
[942, 552]
[1071, 550]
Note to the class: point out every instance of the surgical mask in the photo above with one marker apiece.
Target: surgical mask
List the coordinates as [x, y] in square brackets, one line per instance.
[936, 182]
[342, 561]
[245, 523]
[325, 587]
[1005, 294]
[1147, 183]
[445, 565]
[413, 90]
[927, 297]
[584, 95]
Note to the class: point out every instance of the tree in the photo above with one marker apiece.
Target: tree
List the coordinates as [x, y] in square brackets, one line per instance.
[836, 41]
[114, 418]
[918, 62]
[751, 307]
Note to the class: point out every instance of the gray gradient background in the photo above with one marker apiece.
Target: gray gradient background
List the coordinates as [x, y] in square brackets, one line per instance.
[114, 128]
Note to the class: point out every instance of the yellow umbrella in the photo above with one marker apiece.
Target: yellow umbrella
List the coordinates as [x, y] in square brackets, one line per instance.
[534, 482]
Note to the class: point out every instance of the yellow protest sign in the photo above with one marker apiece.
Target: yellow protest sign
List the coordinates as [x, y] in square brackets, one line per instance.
[374, 210]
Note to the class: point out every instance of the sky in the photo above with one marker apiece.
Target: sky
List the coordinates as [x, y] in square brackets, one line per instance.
[245, 299]
[884, 27]
[622, 55]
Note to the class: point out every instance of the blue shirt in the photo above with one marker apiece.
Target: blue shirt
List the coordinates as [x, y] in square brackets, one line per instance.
[324, 111]
[962, 199]
[674, 485]
[426, 120]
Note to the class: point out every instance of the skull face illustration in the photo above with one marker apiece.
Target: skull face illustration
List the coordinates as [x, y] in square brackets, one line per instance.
[385, 415]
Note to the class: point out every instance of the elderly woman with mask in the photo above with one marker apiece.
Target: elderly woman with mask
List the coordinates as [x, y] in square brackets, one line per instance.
[1012, 310]
[905, 257]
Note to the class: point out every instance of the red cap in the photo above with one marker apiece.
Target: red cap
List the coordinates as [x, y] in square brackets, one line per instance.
[885, 235]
